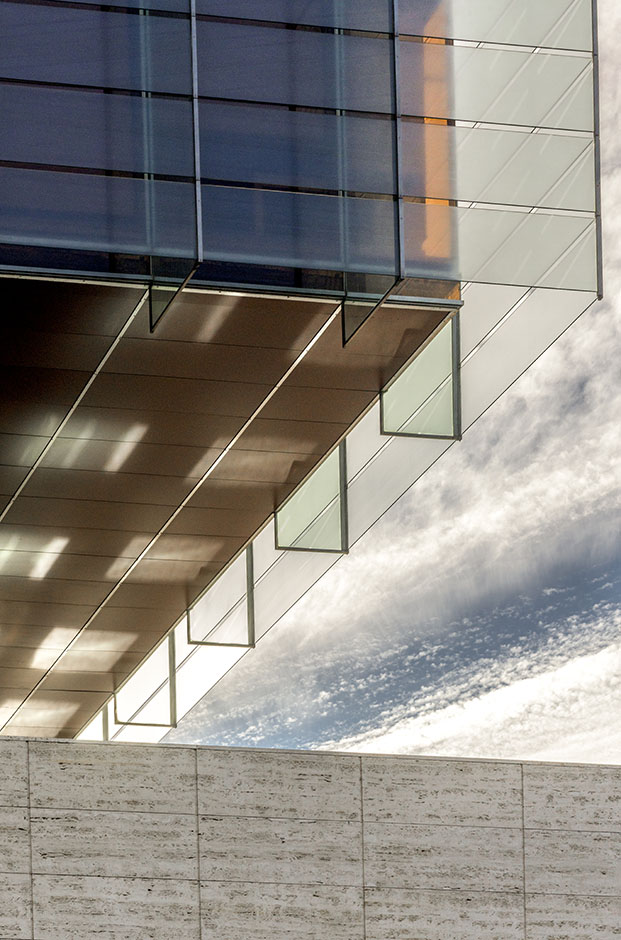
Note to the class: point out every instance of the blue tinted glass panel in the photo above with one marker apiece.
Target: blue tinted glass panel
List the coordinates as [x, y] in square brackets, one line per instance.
[65, 127]
[98, 213]
[172, 6]
[497, 86]
[254, 63]
[344, 14]
[299, 230]
[296, 148]
[92, 47]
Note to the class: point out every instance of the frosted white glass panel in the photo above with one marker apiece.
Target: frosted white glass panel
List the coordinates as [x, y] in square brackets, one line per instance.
[500, 246]
[514, 346]
[484, 306]
[363, 441]
[154, 712]
[201, 671]
[221, 614]
[510, 167]
[562, 24]
[497, 86]
[311, 518]
[147, 679]
[94, 729]
[420, 400]
[385, 478]
[285, 583]
[264, 550]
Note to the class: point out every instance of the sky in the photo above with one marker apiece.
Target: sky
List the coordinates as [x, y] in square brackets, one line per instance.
[481, 617]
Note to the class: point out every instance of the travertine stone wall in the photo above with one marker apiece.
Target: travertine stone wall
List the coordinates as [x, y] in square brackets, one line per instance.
[132, 842]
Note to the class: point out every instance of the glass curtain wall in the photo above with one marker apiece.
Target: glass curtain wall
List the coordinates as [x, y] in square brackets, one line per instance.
[334, 144]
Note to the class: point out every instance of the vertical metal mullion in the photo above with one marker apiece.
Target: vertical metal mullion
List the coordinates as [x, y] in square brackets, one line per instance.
[250, 595]
[147, 131]
[198, 204]
[398, 142]
[456, 373]
[344, 513]
[172, 679]
[597, 154]
[105, 723]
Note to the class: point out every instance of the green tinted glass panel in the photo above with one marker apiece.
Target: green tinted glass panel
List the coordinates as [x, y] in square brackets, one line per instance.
[420, 400]
[311, 518]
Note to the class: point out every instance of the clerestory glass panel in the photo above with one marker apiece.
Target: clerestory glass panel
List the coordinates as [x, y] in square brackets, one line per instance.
[143, 687]
[375, 15]
[312, 518]
[222, 616]
[562, 24]
[422, 399]
[295, 67]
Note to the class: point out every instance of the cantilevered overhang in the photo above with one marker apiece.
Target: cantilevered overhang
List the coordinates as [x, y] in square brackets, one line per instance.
[135, 464]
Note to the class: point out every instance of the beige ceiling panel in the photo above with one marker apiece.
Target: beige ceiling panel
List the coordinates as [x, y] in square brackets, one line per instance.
[160, 596]
[19, 677]
[203, 548]
[236, 495]
[162, 572]
[43, 614]
[82, 662]
[122, 628]
[234, 523]
[152, 427]
[201, 360]
[85, 513]
[278, 323]
[93, 486]
[53, 350]
[21, 450]
[316, 404]
[112, 390]
[62, 565]
[30, 538]
[69, 307]
[130, 457]
[46, 640]
[50, 590]
[262, 467]
[10, 479]
[302, 437]
[25, 657]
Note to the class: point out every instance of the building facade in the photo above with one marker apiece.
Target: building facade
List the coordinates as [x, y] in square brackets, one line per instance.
[265, 262]
[127, 841]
